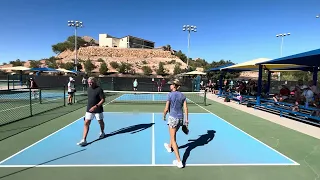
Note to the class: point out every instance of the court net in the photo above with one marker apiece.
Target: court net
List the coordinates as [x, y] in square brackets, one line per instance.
[136, 97]
[16, 104]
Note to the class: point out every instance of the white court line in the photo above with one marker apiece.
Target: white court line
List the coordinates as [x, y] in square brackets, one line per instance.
[144, 165]
[153, 143]
[295, 163]
[47, 136]
[142, 112]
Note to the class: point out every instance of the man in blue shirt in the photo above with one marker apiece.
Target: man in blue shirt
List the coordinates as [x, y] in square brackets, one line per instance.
[175, 104]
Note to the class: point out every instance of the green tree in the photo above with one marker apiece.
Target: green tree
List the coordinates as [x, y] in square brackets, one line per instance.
[100, 60]
[34, 64]
[17, 62]
[67, 66]
[160, 70]
[68, 44]
[181, 55]
[103, 68]
[146, 70]
[124, 67]
[114, 64]
[88, 66]
[216, 75]
[177, 69]
[52, 62]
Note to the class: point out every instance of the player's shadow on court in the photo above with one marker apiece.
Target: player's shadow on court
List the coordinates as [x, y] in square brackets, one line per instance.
[130, 129]
[193, 143]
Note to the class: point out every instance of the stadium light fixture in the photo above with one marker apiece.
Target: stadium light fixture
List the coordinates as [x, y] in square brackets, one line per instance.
[189, 29]
[282, 37]
[75, 25]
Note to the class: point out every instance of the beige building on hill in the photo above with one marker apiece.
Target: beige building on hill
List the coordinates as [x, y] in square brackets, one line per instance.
[106, 40]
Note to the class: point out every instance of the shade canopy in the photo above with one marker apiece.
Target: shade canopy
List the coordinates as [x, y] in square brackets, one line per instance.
[219, 68]
[45, 69]
[254, 65]
[16, 68]
[309, 58]
[195, 73]
[64, 70]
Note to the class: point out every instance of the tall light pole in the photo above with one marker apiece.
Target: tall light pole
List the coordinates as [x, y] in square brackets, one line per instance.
[189, 29]
[76, 25]
[282, 36]
[281, 47]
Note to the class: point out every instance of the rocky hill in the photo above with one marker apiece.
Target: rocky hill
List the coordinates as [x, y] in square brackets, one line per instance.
[136, 57]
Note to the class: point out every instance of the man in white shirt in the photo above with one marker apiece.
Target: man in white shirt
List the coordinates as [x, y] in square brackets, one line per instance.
[84, 84]
[71, 90]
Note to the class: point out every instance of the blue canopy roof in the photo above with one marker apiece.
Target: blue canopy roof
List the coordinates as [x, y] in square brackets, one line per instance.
[44, 69]
[307, 68]
[309, 58]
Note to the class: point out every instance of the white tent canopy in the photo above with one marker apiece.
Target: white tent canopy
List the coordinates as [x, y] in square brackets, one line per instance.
[195, 73]
[65, 70]
[16, 68]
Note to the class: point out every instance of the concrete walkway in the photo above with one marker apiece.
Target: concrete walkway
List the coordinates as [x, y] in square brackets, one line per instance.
[289, 123]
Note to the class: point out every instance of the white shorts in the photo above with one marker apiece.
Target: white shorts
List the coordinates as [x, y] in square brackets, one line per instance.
[90, 116]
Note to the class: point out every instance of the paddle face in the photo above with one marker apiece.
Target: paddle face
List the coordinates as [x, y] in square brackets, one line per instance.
[185, 129]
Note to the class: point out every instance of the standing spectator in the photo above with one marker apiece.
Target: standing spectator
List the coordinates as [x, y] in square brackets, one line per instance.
[84, 83]
[34, 89]
[71, 90]
[135, 85]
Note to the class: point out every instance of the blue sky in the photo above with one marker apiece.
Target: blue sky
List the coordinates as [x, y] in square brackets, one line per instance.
[227, 29]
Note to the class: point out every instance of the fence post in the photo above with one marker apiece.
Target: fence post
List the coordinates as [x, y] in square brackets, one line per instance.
[74, 95]
[30, 100]
[8, 81]
[64, 95]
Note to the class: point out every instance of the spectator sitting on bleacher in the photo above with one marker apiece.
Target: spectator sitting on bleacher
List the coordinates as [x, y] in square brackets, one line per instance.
[298, 90]
[242, 87]
[307, 94]
[314, 89]
[210, 86]
[250, 86]
[238, 95]
[283, 95]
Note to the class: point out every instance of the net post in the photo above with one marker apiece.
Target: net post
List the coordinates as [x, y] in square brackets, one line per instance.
[30, 101]
[64, 95]
[40, 95]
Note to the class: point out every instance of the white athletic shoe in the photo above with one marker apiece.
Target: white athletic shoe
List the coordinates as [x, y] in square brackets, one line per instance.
[166, 145]
[178, 164]
[82, 143]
